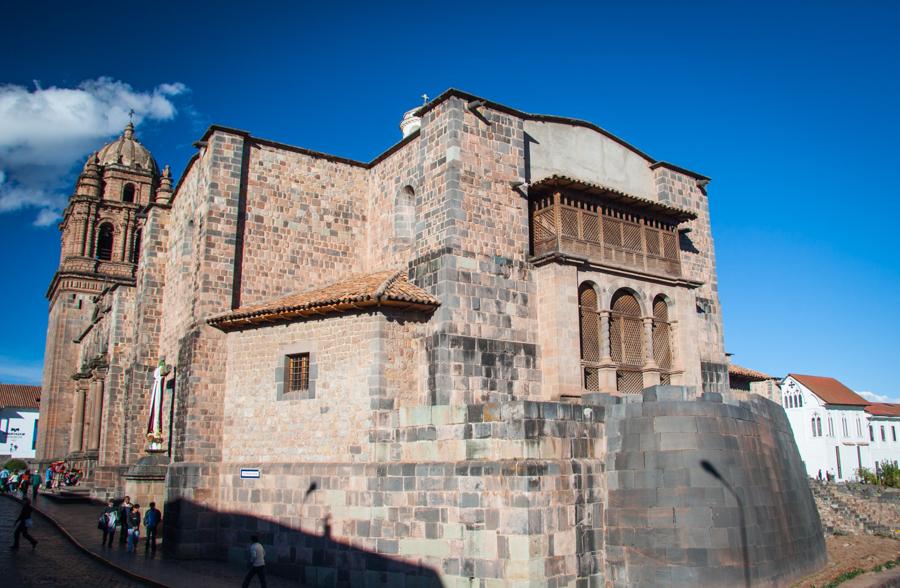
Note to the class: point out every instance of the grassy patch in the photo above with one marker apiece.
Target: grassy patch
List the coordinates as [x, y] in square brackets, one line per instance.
[849, 575]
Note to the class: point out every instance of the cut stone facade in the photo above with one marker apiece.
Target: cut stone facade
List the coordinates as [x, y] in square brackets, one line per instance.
[452, 425]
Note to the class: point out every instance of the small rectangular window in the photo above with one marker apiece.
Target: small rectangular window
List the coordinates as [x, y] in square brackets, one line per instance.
[883, 436]
[871, 434]
[894, 433]
[296, 377]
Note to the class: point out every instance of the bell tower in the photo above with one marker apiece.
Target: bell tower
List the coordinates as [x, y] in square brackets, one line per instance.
[100, 247]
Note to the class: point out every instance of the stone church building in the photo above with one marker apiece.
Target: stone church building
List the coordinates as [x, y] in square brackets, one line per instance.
[491, 356]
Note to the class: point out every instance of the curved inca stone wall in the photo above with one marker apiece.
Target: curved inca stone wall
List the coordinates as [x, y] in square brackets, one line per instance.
[671, 523]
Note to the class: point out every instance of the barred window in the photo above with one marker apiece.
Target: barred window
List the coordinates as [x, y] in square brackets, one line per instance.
[296, 375]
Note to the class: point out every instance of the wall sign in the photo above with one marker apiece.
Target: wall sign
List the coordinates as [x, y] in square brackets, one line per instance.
[249, 472]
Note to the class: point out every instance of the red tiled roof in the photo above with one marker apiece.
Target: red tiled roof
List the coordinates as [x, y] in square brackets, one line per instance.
[386, 288]
[19, 396]
[830, 390]
[884, 409]
[736, 370]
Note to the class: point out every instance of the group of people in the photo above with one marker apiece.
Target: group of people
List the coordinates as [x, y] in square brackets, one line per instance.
[21, 481]
[127, 519]
[59, 474]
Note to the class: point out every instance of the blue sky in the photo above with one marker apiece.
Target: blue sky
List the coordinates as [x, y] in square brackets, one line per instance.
[791, 109]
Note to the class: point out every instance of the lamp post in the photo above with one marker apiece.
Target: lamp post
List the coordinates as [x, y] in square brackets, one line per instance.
[711, 470]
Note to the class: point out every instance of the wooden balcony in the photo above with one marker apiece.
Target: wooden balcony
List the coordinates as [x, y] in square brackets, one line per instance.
[582, 226]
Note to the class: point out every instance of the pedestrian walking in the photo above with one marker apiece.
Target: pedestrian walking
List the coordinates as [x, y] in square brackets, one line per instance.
[4, 480]
[256, 555]
[108, 521]
[134, 527]
[48, 476]
[124, 511]
[152, 519]
[23, 523]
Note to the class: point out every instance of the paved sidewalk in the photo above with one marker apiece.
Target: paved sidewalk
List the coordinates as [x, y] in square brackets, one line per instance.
[79, 522]
[55, 562]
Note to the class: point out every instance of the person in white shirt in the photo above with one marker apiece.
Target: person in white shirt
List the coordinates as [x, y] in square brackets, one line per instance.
[256, 555]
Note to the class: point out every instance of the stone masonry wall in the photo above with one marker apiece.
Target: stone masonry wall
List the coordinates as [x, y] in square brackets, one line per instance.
[508, 521]
[698, 262]
[332, 425]
[199, 282]
[70, 314]
[669, 522]
[305, 223]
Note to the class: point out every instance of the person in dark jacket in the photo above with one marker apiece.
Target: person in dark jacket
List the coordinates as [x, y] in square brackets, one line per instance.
[23, 523]
[124, 511]
[108, 521]
[151, 523]
[134, 527]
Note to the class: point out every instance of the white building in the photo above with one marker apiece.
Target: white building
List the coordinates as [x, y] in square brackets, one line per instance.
[884, 429]
[830, 424]
[19, 409]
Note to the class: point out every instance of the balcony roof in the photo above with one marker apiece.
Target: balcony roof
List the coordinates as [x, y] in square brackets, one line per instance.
[616, 196]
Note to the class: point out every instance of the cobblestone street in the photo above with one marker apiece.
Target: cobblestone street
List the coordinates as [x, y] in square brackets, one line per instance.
[55, 562]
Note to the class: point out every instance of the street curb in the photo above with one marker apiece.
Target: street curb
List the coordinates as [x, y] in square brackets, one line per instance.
[96, 556]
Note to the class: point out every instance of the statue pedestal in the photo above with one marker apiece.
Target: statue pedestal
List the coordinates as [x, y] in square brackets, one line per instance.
[145, 481]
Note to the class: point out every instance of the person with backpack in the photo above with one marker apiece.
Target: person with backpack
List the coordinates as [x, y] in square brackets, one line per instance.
[108, 521]
[152, 519]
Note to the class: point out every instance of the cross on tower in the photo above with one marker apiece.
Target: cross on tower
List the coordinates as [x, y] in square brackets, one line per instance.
[131, 116]
[424, 98]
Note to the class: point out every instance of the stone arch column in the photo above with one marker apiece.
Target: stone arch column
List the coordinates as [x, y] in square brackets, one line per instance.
[96, 414]
[76, 439]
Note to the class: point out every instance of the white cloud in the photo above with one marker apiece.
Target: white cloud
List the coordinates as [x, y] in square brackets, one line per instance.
[45, 132]
[13, 371]
[877, 397]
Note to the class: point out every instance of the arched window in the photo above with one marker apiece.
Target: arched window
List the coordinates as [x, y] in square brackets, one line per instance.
[136, 251]
[405, 217]
[128, 193]
[830, 427]
[662, 339]
[589, 327]
[105, 242]
[800, 399]
[844, 423]
[627, 342]
[814, 426]
[819, 425]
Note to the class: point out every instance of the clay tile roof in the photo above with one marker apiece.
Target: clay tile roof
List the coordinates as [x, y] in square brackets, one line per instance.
[19, 396]
[830, 390]
[385, 288]
[617, 196]
[884, 409]
[740, 371]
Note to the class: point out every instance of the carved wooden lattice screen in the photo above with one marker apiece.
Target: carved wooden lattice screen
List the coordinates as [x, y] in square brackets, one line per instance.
[590, 336]
[580, 226]
[626, 342]
[543, 223]
[662, 339]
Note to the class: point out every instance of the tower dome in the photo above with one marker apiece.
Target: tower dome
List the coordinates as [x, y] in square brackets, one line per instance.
[127, 151]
